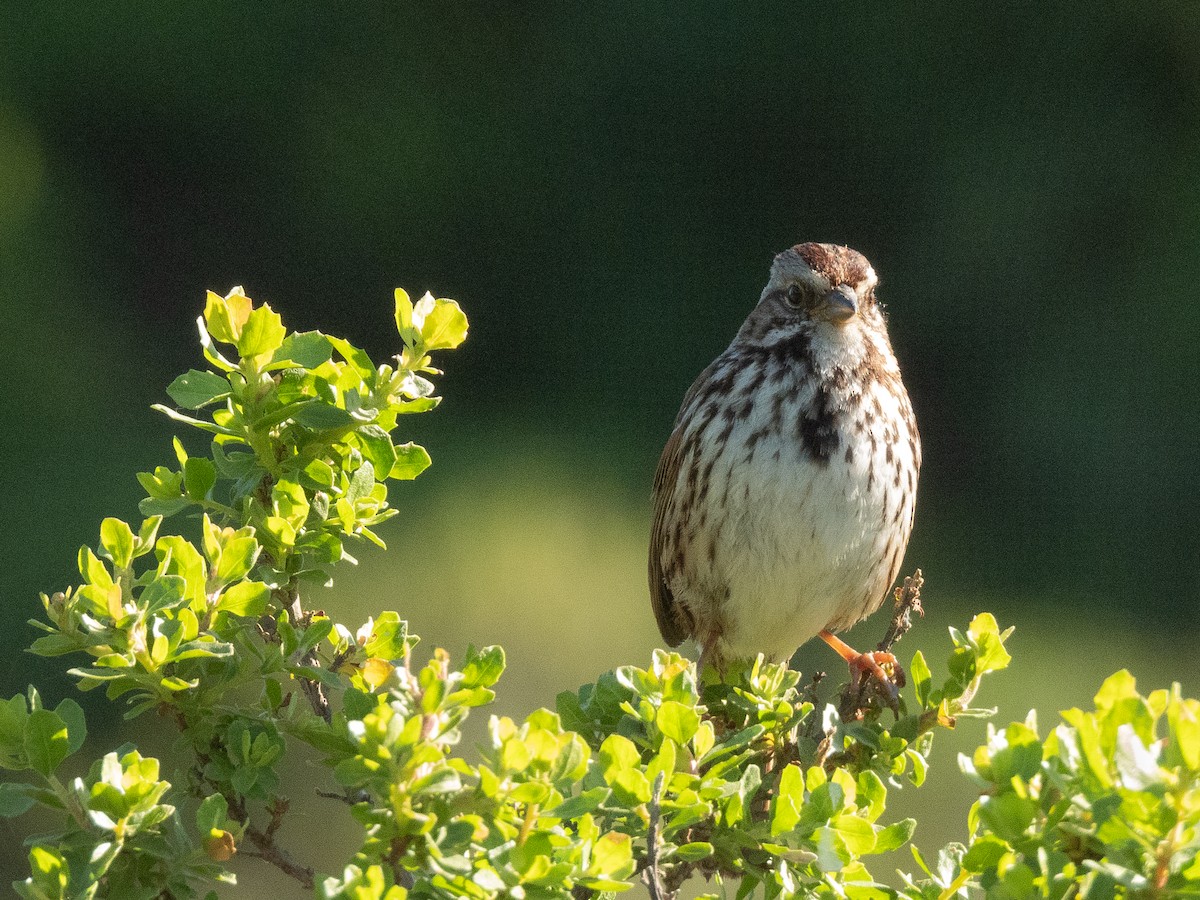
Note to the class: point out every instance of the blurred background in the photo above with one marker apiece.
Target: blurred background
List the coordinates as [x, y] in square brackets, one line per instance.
[603, 187]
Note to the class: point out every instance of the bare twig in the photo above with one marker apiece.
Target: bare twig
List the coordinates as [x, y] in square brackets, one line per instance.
[311, 687]
[811, 691]
[908, 601]
[278, 808]
[264, 841]
[268, 850]
[651, 874]
[349, 797]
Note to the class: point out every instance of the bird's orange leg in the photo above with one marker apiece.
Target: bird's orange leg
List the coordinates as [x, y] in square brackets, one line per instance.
[861, 663]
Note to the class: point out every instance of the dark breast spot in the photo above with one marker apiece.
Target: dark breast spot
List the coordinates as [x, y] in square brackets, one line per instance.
[817, 427]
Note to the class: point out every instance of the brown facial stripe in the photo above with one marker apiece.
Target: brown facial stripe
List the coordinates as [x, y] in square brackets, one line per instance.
[840, 265]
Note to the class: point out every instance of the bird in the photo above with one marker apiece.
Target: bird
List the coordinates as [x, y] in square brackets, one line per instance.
[784, 498]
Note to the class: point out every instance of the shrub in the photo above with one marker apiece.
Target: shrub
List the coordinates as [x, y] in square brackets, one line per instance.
[752, 781]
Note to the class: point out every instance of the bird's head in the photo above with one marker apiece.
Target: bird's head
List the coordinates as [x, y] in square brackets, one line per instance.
[815, 287]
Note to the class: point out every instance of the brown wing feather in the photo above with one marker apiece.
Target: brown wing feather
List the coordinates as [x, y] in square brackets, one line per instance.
[674, 622]
[661, 599]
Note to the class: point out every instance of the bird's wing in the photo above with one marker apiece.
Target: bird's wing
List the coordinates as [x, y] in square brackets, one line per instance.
[661, 599]
[674, 622]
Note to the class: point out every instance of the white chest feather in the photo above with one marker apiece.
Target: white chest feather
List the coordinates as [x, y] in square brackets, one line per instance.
[807, 509]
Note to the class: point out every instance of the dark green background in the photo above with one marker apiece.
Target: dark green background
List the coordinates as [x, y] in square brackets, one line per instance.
[603, 188]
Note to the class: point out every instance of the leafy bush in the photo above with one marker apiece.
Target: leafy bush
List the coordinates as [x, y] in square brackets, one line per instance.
[752, 781]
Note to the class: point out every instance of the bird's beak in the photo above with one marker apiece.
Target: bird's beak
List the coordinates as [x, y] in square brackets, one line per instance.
[841, 304]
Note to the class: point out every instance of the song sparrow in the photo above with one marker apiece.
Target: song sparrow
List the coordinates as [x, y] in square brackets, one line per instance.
[784, 498]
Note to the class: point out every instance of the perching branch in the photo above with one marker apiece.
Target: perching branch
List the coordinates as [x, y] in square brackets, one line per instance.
[908, 601]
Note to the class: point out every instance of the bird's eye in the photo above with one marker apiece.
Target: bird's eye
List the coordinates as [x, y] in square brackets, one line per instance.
[793, 296]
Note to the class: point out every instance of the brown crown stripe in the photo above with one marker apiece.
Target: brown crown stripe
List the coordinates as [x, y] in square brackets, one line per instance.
[840, 265]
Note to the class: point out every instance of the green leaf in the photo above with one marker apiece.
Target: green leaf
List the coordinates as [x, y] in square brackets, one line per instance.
[832, 854]
[611, 853]
[617, 754]
[263, 333]
[319, 629]
[1007, 815]
[153, 506]
[921, 677]
[872, 793]
[210, 427]
[210, 348]
[281, 530]
[445, 325]
[238, 557]
[570, 764]
[695, 851]
[13, 713]
[895, 835]
[483, 668]
[199, 476]
[1022, 757]
[1183, 718]
[321, 473]
[377, 447]
[47, 742]
[94, 571]
[358, 359]
[207, 648]
[586, 802]
[50, 875]
[246, 598]
[116, 542]
[321, 416]
[415, 387]
[308, 349]
[177, 556]
[404, 316]
[991, 655]
[362, 482]
[920, 766]
[1136, 764]
[789, 801]
[15, 799]
[410, 407]
[388, 638]
[226, 316]
[411, 460]
[857, 834]
[529, 792]
[532, 857]
[1087, 731]
[676, 721]
[984, 853]
[147, 534]
[213, 814]
[72, 715]
[164, 592]
[195, 389]
[290, 502]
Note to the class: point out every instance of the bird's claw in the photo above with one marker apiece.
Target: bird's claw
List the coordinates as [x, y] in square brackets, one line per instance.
[884, 669]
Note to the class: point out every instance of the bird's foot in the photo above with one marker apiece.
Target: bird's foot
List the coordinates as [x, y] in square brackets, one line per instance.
[881, 666]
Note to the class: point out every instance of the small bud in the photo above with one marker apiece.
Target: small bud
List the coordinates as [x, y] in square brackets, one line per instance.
[220, 846]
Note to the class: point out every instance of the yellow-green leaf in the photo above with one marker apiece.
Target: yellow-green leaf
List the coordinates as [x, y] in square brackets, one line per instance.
[246, 598]
[445, 326]
[262, 334]
[116, 540]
